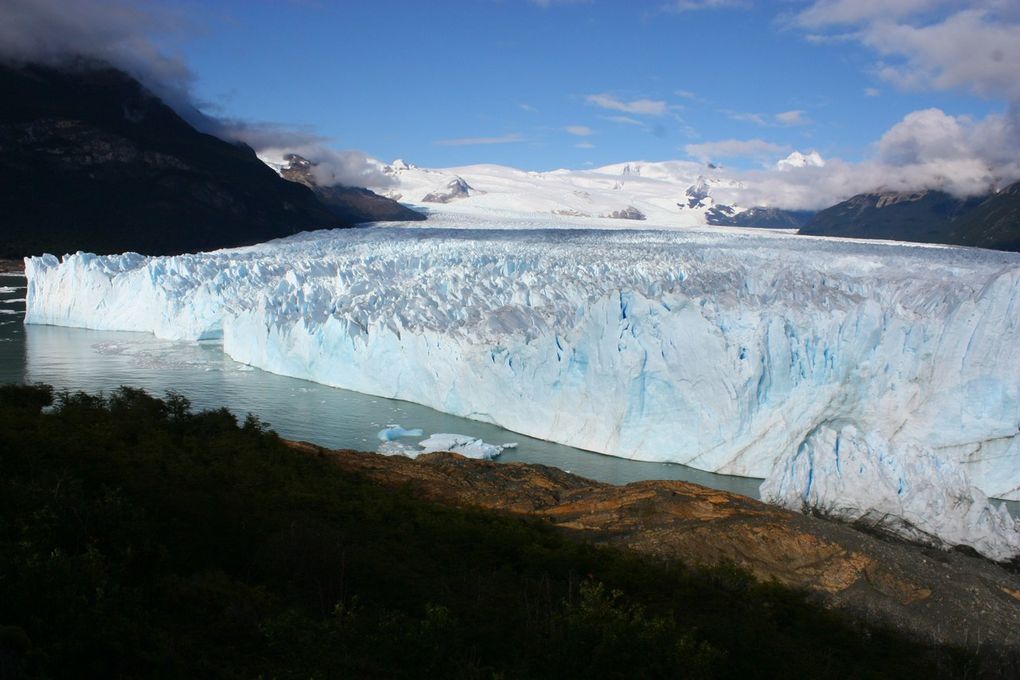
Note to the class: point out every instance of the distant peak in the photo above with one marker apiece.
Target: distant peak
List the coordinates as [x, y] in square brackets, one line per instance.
[812, 159]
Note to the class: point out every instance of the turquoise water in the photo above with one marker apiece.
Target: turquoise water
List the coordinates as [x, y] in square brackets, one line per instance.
[76, 359]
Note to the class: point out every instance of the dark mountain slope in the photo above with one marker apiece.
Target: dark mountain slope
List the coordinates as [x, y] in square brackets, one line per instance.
[922, 216]
[772, 218]
[92, 160]
[995, 223]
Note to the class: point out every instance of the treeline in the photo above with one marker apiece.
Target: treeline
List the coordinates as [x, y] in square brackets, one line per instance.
[140, 539]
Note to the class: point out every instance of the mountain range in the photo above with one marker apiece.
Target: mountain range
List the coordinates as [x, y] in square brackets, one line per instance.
[95, 161]
[991, 221]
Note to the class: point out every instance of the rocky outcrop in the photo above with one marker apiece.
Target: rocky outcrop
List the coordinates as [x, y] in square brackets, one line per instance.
[628, 213]
[357, 204]
[946, 597]
[456, 188]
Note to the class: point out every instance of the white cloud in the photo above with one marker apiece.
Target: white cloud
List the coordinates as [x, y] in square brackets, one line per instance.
[695, 5]
[783, 119]
[349, 168]
[927, 149]
[115, 31]
[801, 160]
[579, 130]
[825, 13]
[745, 117]
[734, 148]
[932, 44]
[625, 120]
[511, 138]
[584, 145]
[640, 107]
[795, 117]
[524, 106]
[872, 92]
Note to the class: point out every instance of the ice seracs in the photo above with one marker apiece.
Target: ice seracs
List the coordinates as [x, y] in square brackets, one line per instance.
[905, 489]
[766, 355]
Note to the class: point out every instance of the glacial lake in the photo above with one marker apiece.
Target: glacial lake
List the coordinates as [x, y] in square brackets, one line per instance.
[77, 359]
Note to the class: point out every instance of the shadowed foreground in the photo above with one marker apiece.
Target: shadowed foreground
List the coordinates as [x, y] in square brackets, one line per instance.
[140, 539]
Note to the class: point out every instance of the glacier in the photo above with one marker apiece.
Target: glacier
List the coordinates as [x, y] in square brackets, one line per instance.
[875, 382]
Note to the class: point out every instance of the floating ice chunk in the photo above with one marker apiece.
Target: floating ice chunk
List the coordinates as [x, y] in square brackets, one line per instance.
[469, 447]
[396, 432]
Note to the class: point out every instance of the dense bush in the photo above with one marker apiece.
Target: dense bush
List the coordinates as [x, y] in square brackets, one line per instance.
[140, 539]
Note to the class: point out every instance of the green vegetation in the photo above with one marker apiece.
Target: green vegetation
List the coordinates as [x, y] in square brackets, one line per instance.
[140, 539]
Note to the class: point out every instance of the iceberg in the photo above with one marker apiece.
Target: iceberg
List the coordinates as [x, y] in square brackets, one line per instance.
[760, 354]
[469, 447]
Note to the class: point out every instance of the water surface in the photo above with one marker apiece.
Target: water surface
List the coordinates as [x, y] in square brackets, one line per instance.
[77, 359]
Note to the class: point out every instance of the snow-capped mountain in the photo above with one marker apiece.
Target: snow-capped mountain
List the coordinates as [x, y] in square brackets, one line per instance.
[669, 193]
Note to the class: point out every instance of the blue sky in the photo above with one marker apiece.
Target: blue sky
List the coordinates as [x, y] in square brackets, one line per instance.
[557, 84]
[890, 94]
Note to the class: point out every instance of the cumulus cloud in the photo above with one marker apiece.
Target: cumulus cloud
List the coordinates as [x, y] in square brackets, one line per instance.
[757, 149]
[920, 45]
[331, 166]
[641, 107]
[936, 44]
[927, 149]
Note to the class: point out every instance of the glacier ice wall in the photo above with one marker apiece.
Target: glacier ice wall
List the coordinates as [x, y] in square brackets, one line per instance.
[733, 352]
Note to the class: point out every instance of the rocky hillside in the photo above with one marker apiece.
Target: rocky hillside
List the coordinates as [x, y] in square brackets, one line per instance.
[926, 217]
[772, 218]
[942, 597]
[994, 223]
[93, 161]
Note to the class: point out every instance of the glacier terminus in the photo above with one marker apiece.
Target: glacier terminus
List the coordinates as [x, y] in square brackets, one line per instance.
[865, 381]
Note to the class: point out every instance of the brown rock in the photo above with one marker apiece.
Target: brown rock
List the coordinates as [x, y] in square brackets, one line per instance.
[943, 597]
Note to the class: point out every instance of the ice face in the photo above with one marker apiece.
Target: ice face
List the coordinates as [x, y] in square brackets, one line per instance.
[729, 351]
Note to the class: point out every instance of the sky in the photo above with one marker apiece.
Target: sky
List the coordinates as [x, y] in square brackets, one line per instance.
[901, 93]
